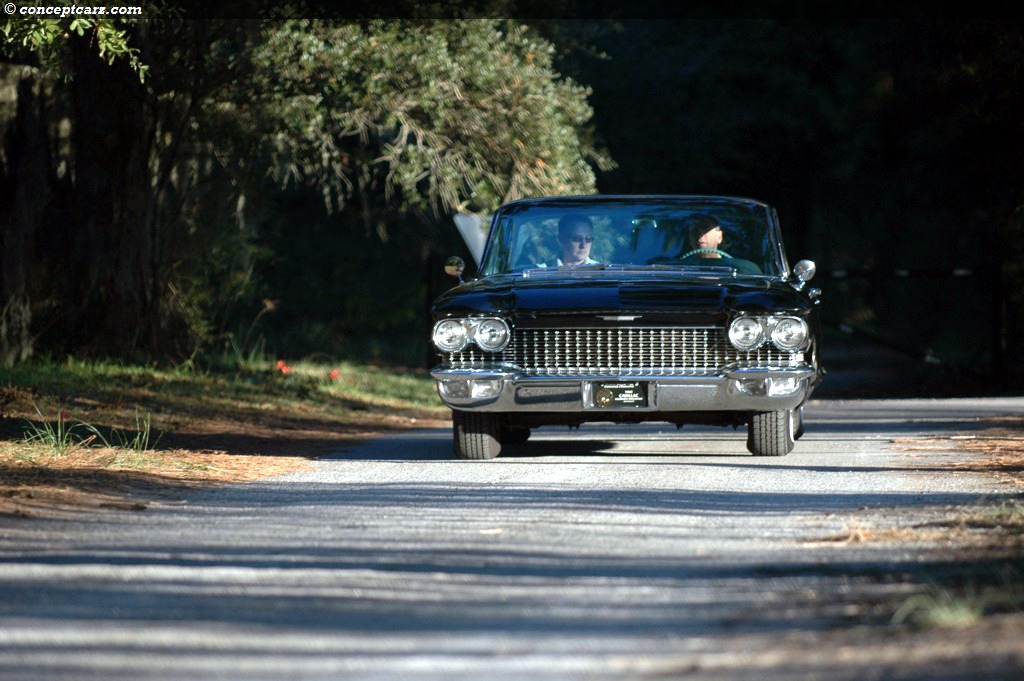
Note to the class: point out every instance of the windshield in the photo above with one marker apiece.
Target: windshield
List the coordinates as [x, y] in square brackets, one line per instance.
[677, 232]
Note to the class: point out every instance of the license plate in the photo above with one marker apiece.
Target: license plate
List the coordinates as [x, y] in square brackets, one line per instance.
[619, 394]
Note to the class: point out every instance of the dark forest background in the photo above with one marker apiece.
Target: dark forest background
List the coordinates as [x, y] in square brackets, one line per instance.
[283, 184]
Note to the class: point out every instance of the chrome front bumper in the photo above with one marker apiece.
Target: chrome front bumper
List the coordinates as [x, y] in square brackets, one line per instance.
[733, 390]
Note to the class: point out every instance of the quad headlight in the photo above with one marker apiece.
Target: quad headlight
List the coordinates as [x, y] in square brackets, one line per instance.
[451, 335]
[746, 333]
[789, 333]
[786, 333]
[491, 334]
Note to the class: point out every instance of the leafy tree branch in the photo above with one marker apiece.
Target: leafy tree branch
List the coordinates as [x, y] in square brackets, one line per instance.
[46, 39]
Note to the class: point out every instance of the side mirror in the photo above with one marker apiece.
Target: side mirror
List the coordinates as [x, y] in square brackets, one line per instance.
[454, 267]
[804, 272]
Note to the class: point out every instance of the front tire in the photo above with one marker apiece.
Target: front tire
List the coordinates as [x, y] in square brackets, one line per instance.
[771, 433]
[475, 435]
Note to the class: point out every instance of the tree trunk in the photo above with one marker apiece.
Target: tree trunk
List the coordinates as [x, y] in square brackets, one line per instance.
[28, 183]
[114, 305]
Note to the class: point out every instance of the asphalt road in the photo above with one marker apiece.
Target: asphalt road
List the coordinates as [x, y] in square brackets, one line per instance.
[608, 553]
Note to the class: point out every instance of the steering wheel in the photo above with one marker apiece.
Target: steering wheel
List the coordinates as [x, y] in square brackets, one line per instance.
[698, 251]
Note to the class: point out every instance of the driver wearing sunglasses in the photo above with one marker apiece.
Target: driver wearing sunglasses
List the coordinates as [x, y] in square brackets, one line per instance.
[575, 236]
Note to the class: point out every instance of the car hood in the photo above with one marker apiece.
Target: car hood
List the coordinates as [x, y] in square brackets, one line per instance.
[514, 295]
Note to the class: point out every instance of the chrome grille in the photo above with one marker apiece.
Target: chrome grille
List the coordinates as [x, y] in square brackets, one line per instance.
[658, 351]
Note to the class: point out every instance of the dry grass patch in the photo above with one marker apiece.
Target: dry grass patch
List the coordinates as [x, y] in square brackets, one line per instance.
[993, 529]
[73, 444]
[37, 483]
[1001, 448]
[856, 532]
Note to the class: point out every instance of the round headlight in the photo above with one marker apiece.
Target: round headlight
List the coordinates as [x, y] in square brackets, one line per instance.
[450, 335]
[746, 333]
[790, 333]
[491, 335]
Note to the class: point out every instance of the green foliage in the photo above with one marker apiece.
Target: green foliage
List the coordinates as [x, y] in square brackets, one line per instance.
[941, 608]
[140, 440]
[885, 145]
[214, 383]
[370, 385]
[47, 37]
[1007, 516]
[962, 600]
[250, 359]
[58, 436]
[392, 124]
[54, 437]
[443, 116]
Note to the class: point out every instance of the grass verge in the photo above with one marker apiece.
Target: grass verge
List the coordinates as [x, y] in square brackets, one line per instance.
[77, 434]
[985, 581]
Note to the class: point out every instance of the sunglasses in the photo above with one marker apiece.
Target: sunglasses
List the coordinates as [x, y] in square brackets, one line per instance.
[582, 239]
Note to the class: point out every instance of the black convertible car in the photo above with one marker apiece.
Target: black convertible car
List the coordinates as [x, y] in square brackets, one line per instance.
[681, 309]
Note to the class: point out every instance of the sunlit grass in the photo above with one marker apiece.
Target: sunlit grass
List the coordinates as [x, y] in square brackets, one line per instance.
[65, 425]
[965, 599]
[140, 440]
[1008, 516]
[62, 434]
[135, 459]
[265, 383]
[387, 387]
[942, 608]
